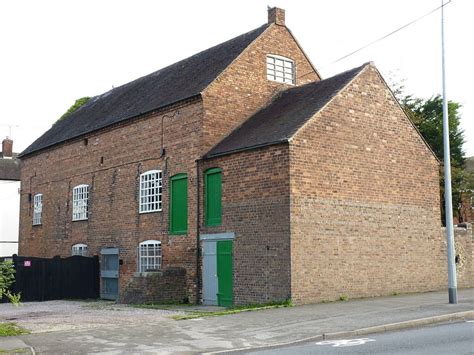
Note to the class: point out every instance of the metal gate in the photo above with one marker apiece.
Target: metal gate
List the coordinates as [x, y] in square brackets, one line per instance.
[109, 273]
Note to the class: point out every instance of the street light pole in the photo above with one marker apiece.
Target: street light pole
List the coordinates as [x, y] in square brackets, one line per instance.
[452, 282]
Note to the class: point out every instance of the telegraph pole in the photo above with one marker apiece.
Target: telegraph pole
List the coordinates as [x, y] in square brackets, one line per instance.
[452, 282]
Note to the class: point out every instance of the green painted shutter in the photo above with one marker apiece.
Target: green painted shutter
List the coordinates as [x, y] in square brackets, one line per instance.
[225, 296]
[213, 190]
[179, 204]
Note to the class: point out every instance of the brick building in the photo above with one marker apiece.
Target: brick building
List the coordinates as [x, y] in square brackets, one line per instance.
[239, 176]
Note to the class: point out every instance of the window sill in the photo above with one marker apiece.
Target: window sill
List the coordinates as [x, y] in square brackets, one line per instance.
[80, 220]
[178, 232]
[148, 273]
[145, 212]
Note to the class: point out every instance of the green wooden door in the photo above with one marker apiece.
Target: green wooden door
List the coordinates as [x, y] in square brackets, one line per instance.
[179, 204]
[213, 190]
[224, 273]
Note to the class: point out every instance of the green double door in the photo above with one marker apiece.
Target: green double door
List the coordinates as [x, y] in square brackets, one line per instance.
[224, 273]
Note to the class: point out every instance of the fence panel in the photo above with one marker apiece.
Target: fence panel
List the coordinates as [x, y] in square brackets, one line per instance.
[41, 279]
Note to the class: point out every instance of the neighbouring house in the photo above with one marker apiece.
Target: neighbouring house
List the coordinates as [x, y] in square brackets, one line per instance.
[466, 209]
[239, 176]
[9, 199]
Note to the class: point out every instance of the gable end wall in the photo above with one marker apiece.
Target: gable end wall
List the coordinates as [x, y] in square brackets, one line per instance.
[365, 217]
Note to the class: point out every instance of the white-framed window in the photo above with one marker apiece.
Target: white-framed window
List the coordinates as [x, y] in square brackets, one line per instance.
[80, 203]
[37, 209]
[151, 191]
[149, 256]
[280, 69]
[79, 249]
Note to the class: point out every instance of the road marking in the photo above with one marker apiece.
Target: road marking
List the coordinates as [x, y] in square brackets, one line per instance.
[345, 342]
[470, 321]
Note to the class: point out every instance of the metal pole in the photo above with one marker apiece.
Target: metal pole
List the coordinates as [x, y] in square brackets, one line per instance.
[452, 282]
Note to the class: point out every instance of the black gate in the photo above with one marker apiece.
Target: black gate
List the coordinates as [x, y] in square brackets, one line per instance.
[41, 279]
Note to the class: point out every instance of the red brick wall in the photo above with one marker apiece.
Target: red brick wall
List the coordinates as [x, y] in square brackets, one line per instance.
[255, 205]
[243, 87]
[114, 220]
[365, 200]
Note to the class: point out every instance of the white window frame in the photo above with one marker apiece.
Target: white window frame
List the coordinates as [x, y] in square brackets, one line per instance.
[80, 203]
[79, 249]
[37, 209]
[149, 256]
[281, 69]
[150, 198]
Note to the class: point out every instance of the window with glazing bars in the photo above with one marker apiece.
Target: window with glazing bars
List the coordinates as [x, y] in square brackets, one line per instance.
[80, 203]
[79, 249]
[280, 69]
[151, 191]
[37, 209]
[149, 256]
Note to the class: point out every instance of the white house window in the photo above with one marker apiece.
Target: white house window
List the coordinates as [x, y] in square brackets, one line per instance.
[149, 256]
[151, 190]
[79, 249]
[80, 202]
[37, 209]
[280, 69]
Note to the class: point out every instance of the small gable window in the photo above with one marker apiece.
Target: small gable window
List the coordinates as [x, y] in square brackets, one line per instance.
[151, 190]
[80, 203]
[213, 196]
[179, 204]
[149, 256]
[37, 209]
[79, 249]
[280, 69]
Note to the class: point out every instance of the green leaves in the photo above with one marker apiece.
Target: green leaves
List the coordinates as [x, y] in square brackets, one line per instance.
[79, 102]
[7, 278]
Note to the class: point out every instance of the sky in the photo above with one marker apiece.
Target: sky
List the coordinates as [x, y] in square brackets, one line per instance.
[54, 52]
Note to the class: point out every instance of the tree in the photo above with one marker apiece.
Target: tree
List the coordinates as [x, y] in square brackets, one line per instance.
[7, 277]
[79, 102]
[427, 116]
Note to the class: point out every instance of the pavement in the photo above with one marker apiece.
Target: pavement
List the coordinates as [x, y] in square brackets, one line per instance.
[254, 330]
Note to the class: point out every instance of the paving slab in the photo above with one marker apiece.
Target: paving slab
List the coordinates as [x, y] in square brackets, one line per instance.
[257, 329]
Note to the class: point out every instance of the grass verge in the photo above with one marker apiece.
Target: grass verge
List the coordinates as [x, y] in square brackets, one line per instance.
[233, 310]
[11, 329]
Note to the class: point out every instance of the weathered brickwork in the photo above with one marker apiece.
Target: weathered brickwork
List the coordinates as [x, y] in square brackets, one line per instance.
[364, 200]
[166, 286]
[243, 87]
[111, 164]
[255, 205]
[463, 244]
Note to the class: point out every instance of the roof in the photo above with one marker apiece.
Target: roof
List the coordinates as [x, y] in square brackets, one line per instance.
[180, 81]
[10, 168]
[286, 113]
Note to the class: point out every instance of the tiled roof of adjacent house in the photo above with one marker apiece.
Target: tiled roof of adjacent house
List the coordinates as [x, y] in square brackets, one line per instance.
[285, 114]
[10, 168]
[177, 82]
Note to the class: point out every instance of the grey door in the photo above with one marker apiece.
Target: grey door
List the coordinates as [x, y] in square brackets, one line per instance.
[209, 284]
[109, 273]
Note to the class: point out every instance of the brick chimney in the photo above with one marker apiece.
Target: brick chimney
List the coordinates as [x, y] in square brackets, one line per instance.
[276, 15]
[7, 148]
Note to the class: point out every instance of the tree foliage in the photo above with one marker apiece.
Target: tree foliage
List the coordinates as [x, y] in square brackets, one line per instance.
[7, 278]
[427, 116]
[79, 102]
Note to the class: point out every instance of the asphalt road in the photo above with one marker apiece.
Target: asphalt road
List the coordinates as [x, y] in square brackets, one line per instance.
[453, 338]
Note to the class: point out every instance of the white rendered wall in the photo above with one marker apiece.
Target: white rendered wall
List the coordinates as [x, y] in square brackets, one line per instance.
[9, 216]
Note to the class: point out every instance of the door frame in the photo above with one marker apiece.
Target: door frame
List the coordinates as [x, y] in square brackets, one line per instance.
[212, 238]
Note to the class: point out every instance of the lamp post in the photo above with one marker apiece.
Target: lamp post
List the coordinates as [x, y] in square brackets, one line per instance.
[452, 282]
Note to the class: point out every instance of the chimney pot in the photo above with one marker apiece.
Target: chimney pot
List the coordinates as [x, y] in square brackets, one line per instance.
[7, 148]
[276, 15]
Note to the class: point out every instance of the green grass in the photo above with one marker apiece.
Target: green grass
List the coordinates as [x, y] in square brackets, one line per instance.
[233, 310]
[11, 329]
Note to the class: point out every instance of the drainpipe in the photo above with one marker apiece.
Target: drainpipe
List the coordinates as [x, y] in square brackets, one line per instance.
[198, 246]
